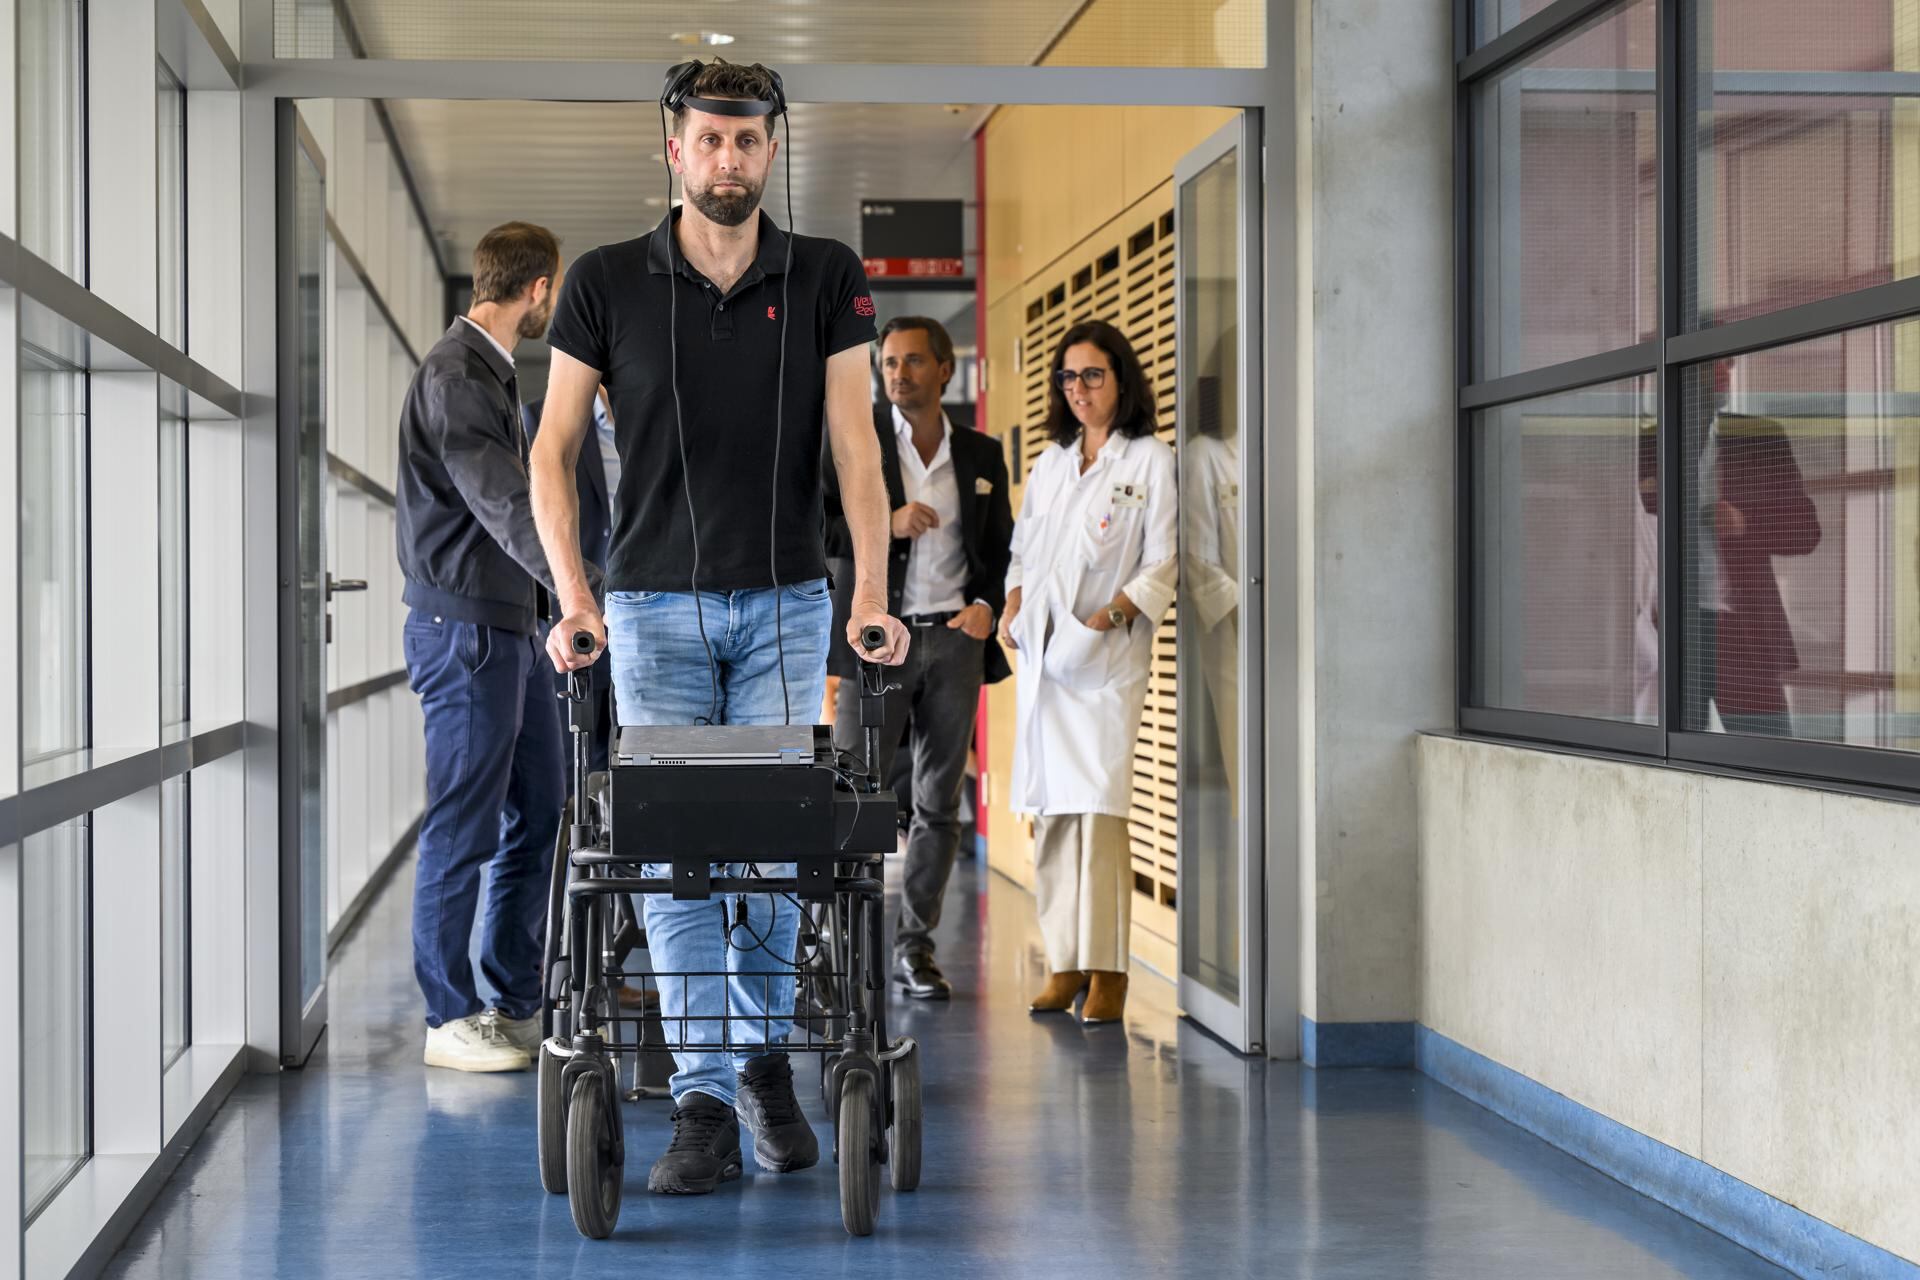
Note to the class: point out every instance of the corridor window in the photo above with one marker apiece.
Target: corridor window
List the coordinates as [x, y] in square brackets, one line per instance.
[1565, 564]
[1705, 215]
[1806, 180]
[1802, 540]
[1564, 233]
[1497, 17]
[52, 132]
[56, 1047]
[53, 558]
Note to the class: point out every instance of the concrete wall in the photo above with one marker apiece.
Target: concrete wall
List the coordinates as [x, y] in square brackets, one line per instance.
[1375, 506]
[1730, 967]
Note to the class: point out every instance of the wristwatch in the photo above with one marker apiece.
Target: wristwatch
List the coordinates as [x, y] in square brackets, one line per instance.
[1117, 616]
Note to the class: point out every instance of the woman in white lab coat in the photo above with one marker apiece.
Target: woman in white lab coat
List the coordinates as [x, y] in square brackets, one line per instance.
[1092, 575]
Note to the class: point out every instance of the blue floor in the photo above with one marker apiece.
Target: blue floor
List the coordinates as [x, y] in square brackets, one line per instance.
[1108, 1152]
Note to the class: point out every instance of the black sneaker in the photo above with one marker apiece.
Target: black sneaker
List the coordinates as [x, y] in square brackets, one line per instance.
[783, 1141]
[921, 978]
[705, 1150]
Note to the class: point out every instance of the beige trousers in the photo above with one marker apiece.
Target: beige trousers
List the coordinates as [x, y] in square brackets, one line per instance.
[1083, 878]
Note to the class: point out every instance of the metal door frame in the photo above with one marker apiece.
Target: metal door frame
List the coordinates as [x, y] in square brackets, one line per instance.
[1242, 1024]
[301, 1020]
[1266, 95]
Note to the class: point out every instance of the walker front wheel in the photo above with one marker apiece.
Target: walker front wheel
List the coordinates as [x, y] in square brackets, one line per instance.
[595, 1163]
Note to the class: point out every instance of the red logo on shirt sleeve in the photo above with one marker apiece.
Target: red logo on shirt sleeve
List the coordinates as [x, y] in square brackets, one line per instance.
[863, 305]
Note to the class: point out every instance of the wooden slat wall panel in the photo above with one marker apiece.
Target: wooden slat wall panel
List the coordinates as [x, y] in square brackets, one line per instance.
[1124, 275]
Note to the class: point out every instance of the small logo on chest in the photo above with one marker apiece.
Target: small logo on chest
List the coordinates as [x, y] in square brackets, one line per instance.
[770, 313]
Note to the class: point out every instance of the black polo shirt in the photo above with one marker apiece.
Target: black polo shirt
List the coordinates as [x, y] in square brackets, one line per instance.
[612, 315]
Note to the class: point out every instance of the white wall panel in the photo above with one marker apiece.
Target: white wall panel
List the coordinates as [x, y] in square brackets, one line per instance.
[216, 318]
[122, 157]
[218, 887]
[373, 252]
[347, 192]
[124, 467]
[215, 599]
[1560, 923]
[1726, 966]
[126, 977]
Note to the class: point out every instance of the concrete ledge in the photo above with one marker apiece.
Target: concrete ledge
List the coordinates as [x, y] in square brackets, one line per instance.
[1744, 1214]
[1356, 1044]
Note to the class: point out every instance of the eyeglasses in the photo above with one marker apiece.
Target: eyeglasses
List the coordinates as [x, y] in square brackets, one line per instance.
[1092, 379]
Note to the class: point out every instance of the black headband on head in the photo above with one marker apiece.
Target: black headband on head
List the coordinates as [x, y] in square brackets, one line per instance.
[677, 94]
[730, 106]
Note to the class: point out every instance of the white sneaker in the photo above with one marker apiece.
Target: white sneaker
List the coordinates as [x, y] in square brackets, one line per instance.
[522, 1033]
[474, 1043]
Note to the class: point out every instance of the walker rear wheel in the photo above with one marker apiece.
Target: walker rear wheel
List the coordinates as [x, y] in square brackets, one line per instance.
[859, 1157]
[903, 1152]
[551, 1126]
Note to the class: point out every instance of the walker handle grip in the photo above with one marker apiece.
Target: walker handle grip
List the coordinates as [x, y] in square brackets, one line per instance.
[873, 699]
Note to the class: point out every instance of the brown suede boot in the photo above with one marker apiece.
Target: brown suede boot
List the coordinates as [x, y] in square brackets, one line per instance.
[1061, 988]
[1107, 999]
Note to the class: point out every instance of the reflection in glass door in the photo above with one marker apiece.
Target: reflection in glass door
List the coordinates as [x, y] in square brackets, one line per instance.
[303, 703]
[1221, 856]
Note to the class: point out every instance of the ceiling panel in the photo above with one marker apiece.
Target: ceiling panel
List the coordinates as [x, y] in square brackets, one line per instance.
[1012, 33]
[591, 171]
[991, 32]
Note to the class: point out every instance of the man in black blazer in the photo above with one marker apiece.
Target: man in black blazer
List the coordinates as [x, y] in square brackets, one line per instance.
[946, 579]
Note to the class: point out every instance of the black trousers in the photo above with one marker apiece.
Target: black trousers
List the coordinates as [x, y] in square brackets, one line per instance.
[936, 705]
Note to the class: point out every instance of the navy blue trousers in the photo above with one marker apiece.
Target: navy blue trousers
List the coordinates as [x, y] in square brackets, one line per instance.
[495, 788]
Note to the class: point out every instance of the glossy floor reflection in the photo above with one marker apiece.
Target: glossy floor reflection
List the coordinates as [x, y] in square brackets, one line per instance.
[1143, 1149]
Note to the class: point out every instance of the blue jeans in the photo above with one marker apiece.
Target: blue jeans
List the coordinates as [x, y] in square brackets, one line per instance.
[660, 676]
[495, 787]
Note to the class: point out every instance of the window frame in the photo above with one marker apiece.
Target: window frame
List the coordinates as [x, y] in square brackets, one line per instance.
[1667, 357]
[180, 252]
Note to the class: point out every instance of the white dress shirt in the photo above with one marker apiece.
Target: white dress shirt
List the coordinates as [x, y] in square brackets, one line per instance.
[491, 340]
[937, 566]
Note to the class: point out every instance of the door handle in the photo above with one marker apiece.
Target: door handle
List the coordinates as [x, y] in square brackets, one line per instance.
[337, 585]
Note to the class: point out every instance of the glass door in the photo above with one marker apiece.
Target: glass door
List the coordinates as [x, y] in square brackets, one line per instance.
[1221, 891]
[303, 614]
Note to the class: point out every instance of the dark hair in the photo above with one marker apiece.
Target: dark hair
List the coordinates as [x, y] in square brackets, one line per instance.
[510, 258]
[937, 338]
[723, 79]
[1134, 416]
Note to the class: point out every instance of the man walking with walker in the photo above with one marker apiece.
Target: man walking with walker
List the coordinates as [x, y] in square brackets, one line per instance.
[717, 606]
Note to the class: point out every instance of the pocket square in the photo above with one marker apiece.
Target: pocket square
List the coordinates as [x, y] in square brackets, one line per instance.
[982, 485]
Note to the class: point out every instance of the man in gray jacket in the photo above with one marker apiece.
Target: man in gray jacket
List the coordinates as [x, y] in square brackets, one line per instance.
[478, 588]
